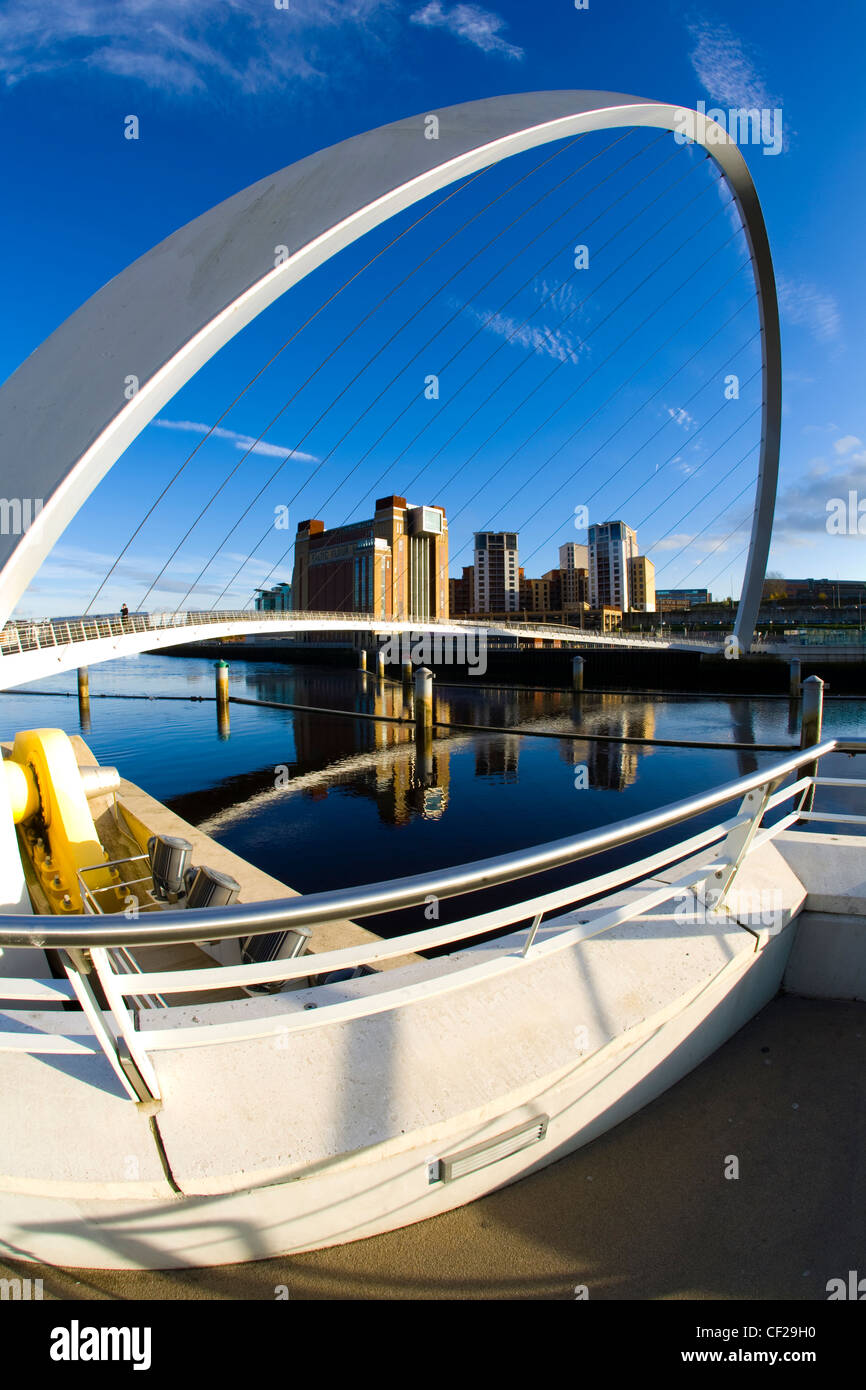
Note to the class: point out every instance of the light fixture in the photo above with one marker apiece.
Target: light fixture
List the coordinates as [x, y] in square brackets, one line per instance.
[169, 856]
[209, 888]
[458, 1165]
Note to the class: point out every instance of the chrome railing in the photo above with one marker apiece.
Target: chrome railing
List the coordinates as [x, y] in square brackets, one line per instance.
[313, 909]
[98, 955]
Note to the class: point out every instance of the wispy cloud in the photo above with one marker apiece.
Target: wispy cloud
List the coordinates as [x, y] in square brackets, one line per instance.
[725, 68]
[184, 46]
[680, 416]
[728, 71]
[482, 28]
[707, 544]
[65, 582]
[541, 338]
[804, 304]
[240, 441]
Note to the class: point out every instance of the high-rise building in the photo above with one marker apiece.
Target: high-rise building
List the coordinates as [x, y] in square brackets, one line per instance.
[641, 584]
[573, 556]
[612, 544]
[394, 566]
[497, 578]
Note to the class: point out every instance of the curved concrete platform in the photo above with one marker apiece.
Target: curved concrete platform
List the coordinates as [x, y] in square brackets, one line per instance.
[291, 1142]
[645, 1212]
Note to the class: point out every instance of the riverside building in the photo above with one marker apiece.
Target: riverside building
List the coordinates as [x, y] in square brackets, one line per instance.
[392, 566]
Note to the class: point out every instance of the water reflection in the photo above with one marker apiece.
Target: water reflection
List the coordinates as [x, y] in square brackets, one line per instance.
[361, 801]
[381, 759]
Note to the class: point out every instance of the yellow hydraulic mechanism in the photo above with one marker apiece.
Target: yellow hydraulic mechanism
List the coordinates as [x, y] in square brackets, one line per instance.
[48, 794]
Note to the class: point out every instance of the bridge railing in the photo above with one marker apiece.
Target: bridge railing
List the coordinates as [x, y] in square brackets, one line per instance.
[705, 863]
[26, 635]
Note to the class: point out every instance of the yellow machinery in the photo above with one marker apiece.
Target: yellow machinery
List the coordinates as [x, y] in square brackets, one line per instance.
[48, 794]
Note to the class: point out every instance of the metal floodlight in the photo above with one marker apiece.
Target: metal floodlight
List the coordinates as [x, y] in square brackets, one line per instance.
[209, 888]
[169, 857]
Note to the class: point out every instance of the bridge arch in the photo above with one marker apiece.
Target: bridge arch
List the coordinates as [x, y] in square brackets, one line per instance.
[64, 415]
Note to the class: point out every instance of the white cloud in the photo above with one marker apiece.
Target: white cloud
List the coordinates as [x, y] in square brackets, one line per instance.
[680, 416]
[470, 23]
[728, 72]
[724, 68]
[844, 446]
[542, 339]
[240, 441]
[184, 46]
[807, 306]
[802, 507]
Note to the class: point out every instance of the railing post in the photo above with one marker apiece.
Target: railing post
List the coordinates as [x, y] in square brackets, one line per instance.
[738, 842]
[77, 965]
[132, 1057]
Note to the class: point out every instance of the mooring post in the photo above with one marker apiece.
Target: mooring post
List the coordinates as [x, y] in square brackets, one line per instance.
[424, 701]
[362, 659]
[84, 698]
[407, 674]
[380, 663]
[577, 675]
[811, 721]
[794, 677]
[424, 724]
[221, 672]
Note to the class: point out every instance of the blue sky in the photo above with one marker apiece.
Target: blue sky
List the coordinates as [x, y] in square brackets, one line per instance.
[227, 93]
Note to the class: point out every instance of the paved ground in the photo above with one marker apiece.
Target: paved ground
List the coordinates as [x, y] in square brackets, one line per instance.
[643, 1213]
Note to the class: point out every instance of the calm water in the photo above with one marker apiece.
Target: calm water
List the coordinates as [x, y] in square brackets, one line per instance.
[357, 808]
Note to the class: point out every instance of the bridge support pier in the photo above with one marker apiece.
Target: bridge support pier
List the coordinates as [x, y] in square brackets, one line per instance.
[221, 671]
[577, 675]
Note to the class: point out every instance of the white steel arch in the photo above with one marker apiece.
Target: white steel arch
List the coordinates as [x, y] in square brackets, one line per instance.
[64, 416]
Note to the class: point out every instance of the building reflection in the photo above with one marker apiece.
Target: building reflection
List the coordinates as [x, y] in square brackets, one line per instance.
[415, 782]
[498, 758]
[611, 765]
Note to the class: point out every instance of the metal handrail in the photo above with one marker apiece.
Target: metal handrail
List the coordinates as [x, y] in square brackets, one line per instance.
[214, 924]
[24, 635]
